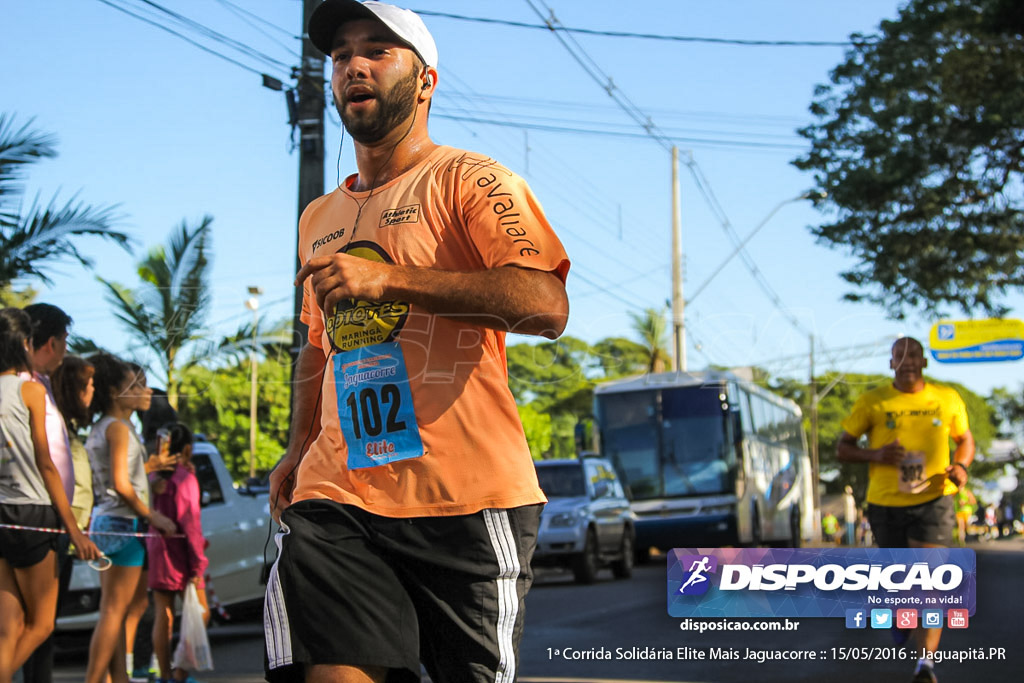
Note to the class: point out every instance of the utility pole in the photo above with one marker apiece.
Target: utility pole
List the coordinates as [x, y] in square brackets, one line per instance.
[678, 303]
[310, 121]
[815, 467]
[253, 304]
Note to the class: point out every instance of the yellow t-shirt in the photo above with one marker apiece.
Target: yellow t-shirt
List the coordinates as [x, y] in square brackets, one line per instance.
[455, 211]
[923, 421]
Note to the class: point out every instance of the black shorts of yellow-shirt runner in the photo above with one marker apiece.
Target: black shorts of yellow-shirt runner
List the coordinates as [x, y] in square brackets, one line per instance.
[358, 589]
[931, 522]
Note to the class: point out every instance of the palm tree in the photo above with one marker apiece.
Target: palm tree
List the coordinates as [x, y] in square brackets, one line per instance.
[42, 233]
[167, 312]
[651, 328]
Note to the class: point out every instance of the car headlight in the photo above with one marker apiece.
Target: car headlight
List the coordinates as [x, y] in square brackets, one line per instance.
[563, 519]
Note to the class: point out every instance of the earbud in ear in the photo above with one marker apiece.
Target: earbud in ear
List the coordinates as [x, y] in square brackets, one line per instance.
[429, 83]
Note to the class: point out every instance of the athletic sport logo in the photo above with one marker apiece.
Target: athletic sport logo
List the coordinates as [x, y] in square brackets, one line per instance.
[698, 567]
[403, 214]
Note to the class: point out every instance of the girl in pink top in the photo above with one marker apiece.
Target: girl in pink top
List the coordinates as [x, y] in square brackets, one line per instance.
[175, 562]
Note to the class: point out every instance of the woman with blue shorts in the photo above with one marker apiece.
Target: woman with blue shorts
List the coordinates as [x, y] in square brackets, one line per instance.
[121, 491]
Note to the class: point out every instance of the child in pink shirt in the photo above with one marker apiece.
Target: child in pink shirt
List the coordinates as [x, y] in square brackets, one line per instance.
[175, 562]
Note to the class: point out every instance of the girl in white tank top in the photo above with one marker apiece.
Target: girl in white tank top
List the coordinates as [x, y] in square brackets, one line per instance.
[117, 456]
[31, 494]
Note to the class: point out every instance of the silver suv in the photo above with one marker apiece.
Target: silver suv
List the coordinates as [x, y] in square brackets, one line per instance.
[587, 523]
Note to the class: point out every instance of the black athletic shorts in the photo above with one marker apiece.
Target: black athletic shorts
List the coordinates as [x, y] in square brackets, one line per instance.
[931, 522]
[21, 548]
[353, 588]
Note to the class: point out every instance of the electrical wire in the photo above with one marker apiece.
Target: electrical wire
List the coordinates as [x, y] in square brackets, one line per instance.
[527, 119]
[216, 35]
[652, 36]
[241, 13]
[168, 29]
[241, 10]
[671, 140]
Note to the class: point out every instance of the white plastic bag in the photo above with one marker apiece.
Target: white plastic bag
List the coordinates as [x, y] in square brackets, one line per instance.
[193, 651]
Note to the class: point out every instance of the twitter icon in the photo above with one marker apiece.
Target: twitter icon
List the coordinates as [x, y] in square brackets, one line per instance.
[881, 618]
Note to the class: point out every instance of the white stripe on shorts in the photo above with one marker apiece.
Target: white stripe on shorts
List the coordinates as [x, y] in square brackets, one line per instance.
[504, 543]
[276, 630]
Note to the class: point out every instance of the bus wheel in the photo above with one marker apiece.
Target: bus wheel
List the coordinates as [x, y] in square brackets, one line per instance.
[586, 565]
[622, 568]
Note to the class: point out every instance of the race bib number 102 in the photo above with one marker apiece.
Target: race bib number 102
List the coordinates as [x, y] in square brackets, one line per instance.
[375, 406]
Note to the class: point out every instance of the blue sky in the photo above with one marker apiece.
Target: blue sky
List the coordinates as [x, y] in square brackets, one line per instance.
[171, 132]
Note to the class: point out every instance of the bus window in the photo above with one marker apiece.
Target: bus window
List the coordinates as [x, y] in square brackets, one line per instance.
[629, 439]
[693, 434]
[745, 418]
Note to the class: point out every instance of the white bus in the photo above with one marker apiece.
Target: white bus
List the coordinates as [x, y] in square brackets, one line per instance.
[707, 460]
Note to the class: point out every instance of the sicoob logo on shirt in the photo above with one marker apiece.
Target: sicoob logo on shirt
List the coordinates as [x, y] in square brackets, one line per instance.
[355, 324]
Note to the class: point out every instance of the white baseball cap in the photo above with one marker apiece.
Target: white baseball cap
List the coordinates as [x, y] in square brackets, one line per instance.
[404, 23]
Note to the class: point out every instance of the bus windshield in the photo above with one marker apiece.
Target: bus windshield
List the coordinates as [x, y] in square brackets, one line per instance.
[689, 423]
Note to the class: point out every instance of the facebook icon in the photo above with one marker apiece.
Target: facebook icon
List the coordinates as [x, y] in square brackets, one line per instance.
[856, 618]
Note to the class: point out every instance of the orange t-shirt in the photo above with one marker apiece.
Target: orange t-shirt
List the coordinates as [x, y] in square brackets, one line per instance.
[456, 211]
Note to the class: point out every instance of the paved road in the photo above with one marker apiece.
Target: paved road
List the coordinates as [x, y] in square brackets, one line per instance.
[631, 615]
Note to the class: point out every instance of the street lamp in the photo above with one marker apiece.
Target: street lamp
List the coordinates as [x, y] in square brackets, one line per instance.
[743, 243]
[253, 304]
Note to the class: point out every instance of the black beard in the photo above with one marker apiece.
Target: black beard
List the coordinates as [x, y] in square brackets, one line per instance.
[393, 107]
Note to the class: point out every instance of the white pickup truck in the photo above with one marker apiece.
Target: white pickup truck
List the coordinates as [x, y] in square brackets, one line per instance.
[235, 522]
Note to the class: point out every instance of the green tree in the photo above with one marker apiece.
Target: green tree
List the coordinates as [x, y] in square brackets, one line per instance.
[166, 313]
[537, 426]
[38, 237]
[917, 142]
[652, 331]
[1008, 406]
[18, 298]
[552, 379]
[621, 357]
[215, 402]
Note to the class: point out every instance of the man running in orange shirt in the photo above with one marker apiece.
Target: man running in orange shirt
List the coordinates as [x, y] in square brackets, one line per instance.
[408, 500]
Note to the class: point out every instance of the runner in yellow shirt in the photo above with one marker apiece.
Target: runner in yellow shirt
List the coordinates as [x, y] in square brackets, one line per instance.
[911, 476]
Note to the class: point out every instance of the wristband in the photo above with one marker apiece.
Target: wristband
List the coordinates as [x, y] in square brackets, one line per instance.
[960, 465]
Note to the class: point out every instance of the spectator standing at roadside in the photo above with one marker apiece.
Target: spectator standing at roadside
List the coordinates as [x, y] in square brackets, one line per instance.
[412, 501]
[118, 460]
[850, 516]
[830, 528]
[175, 562]
[991, 523]
[31, 494]
[49, 346]
[911, 476]
[864, 529]
[1006, 518]
[966, 503]
[73, 390]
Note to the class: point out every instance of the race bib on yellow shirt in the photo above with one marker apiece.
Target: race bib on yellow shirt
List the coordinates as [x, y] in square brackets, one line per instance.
[912, 479]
